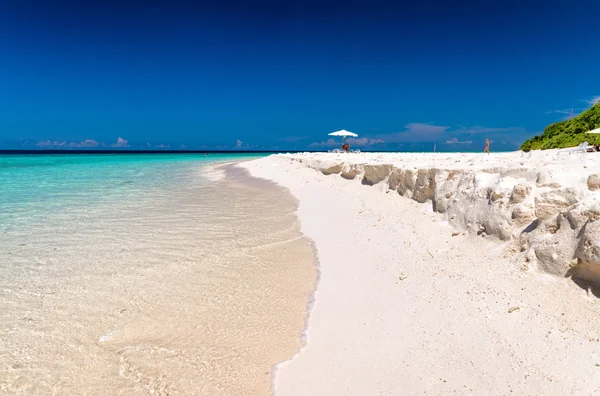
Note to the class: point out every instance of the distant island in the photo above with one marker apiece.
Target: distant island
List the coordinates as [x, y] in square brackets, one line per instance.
[568, 133]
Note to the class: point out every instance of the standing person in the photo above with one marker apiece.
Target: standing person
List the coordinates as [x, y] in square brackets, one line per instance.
[487, 146]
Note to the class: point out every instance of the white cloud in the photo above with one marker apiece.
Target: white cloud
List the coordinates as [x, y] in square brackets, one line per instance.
[47, 144]
[163, 146]
[429, 128]
[120, 143]
[428, 132]
[364, 141]
[239, 145]
[561, 111]
[455, 140]
[183, 146]
[479, 130]
[415, 132]
[87, 143]
[44, 144]
[566, 113]
[327, 143]
[593, 100]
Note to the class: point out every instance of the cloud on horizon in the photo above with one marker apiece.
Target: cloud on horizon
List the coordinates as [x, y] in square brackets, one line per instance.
[120, 143]
[479, 130]
[351, 141]
[419, 133]
[239, 145]
[455, 140]
[414, 135]
[87, 143]
[416, 132]
[429, 132]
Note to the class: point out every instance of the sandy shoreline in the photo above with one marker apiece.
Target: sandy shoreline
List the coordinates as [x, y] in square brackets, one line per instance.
[407, 306]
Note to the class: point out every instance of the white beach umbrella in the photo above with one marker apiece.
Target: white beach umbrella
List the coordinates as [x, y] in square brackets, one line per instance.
[343, 133]
[597, 130]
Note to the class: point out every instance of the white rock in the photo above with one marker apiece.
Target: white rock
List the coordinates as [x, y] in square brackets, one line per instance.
[552, 202]
[520, 193]
[593, 182]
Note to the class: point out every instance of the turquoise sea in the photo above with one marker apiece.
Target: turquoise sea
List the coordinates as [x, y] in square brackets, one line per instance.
[32, 186]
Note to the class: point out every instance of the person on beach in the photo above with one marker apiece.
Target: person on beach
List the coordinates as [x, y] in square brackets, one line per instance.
[346, 147]
[487, 146]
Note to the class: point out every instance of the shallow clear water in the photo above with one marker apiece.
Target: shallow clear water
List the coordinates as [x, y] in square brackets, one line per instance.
[32, 186]
[135, 275]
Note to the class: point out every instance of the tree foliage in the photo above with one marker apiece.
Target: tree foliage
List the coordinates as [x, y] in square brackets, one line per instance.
[568, 133]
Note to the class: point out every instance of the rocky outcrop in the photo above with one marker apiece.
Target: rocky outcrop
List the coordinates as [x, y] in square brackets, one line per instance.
[523, 214]
[554, 228]
[373, 174]
[588, 253]
[545, 179]
[332, 170]
[520, 193]
[424, 186]
[593, 182]
[552, 202]
[349, 174]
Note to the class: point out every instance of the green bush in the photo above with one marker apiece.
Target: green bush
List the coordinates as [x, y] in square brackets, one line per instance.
[568, 133]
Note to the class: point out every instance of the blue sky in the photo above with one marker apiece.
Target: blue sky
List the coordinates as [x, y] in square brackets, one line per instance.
[282, 75]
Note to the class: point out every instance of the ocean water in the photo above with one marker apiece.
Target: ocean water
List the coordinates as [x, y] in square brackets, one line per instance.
[146, 274]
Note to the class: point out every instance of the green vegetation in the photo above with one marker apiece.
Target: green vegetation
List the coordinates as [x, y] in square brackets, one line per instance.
[568, 133]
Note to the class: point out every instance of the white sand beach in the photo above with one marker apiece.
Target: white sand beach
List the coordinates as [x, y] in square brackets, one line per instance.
[446, 273]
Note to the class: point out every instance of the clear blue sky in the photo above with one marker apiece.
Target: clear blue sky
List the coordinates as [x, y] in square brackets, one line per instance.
[283, 74]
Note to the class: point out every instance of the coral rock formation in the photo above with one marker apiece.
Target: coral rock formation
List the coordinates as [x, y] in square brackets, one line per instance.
[554, 227]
